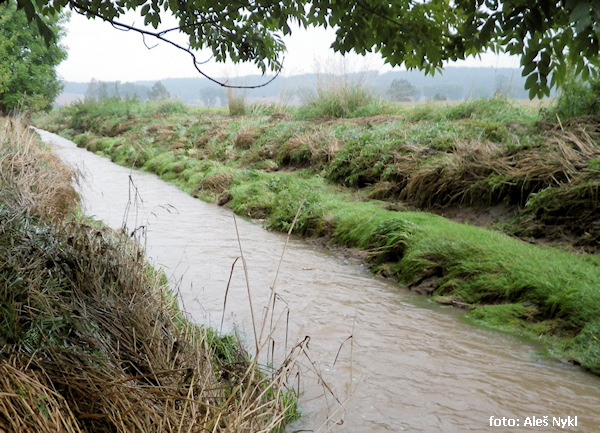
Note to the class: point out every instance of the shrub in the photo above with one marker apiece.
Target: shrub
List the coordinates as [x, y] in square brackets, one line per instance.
[578, 98]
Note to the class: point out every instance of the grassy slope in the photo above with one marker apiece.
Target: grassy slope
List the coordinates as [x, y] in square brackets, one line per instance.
[91, 339]
[362, 181]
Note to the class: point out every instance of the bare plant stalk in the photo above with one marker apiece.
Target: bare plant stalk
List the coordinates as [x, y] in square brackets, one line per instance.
[247, 282]
[272, 295]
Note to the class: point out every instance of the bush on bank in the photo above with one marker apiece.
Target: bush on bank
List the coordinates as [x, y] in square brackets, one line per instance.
[359, 183]
[91, 338]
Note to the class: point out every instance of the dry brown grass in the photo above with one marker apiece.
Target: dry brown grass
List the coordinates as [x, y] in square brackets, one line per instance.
[32, 179]
[463, 175]
[216, 183]
[245, 138]
[92, 340]
[29, 404]
[553, 186]
[315, 148]
[99, 337]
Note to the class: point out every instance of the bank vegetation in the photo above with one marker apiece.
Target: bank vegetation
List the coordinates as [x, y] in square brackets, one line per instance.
[489, 204]
[91, 337]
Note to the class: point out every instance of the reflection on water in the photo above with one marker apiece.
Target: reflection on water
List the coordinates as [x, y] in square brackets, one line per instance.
[407, 365]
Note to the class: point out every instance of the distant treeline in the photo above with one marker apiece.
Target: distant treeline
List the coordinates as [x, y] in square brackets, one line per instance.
[100, 90]
[451, 84]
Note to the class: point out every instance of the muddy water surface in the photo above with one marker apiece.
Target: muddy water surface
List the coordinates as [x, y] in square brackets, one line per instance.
[394, 361]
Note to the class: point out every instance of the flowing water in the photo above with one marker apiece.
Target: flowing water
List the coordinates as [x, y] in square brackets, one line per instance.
[394, 361]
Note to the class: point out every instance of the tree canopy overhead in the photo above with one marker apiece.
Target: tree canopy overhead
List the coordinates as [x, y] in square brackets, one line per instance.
[553, 38]
[28, 79]
[243, 31]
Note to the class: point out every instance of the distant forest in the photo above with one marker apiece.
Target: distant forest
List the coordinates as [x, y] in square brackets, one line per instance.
[451, 84]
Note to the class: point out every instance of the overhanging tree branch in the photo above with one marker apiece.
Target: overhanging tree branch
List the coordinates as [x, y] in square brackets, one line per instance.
[416, 34]
[84, 10]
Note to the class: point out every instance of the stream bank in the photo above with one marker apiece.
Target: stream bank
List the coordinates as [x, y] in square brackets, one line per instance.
[380, 359]
[91, 337]
[353, 183]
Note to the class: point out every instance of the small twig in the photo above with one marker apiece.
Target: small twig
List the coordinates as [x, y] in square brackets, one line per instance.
[340, 348]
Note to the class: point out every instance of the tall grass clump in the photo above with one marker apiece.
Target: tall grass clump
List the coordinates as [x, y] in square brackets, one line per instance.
[341, 101]
[91, 337]
[236, 102]
[498, 109]
[169, 107]
[32, 180]
[339, 96]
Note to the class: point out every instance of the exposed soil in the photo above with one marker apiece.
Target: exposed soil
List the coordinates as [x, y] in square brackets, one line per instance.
[480, 216]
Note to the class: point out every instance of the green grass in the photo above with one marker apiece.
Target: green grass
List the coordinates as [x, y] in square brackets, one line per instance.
[496, 274]
[577, 98]
[236, 102]
[478, 153]
[346, 100]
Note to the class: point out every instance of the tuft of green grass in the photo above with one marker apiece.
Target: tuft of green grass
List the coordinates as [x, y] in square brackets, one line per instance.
[236, 102]
[498, 109]
[346, 100]
[169, 107]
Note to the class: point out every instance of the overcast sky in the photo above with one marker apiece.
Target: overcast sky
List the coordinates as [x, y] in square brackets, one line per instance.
[97, 50]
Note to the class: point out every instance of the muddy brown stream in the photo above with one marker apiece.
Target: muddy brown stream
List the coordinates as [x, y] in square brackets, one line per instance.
[396, 362]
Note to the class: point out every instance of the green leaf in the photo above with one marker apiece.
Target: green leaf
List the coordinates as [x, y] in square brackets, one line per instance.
[486, 30]
[533, 92]
[544, 63]
[529, 68]
[580, 16]
[531, 81]
[529, 56]
[585, 73]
